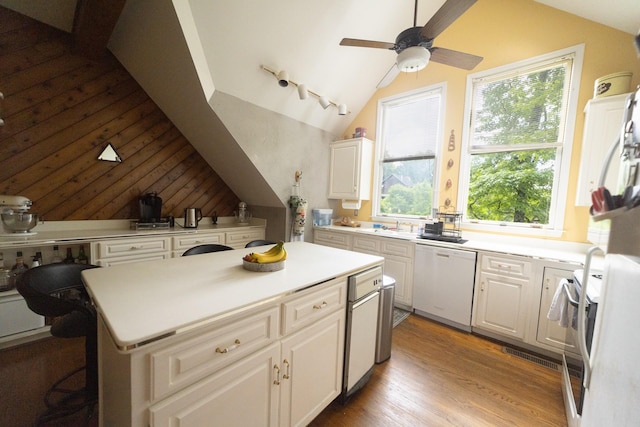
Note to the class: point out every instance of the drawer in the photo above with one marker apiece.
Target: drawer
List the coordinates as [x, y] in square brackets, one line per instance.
[509, 266]
[313, 305]
[238, 239]
[129, 247]
[366, 244]
[397, 247]
[187, 241]
[329, 238]
[187, 362]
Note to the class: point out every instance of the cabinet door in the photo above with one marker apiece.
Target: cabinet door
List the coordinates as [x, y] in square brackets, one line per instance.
[350, 170]
[401, 269]
[602, 124]
[549, 331]
[311, 370]
[244, 394]
[501, 304]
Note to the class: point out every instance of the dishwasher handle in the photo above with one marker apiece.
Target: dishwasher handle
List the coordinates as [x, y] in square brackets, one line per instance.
[365, 299]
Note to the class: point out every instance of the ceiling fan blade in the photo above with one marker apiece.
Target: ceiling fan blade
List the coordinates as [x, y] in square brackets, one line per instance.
[366, 43]
[389, 77]
[454, 58]
[449, 12]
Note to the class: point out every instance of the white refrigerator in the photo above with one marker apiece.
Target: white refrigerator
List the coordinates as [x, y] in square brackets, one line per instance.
[612, 397]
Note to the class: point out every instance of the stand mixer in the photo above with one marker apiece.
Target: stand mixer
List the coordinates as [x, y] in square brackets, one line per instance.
[15, 215]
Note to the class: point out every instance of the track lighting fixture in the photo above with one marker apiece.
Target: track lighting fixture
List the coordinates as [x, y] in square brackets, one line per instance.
[283, 78]
[303, 93]
[324, 102]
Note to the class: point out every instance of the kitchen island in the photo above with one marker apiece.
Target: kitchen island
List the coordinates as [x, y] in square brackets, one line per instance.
[194, 339]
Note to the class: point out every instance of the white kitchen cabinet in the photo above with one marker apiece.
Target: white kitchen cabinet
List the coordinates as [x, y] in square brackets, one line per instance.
[311, 370]
[121, 251]
[398, 263]
[503, 294]
[350, 169]
[549, 331]
[185, 241]
[602, 125]
[397, 253]
[443, 285]
[281, 365]
[245, 394]
[239, 239]
[331, 238]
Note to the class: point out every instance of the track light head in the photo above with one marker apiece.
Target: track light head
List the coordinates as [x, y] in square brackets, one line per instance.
[324, 102]
[283, 78]
[303, 93]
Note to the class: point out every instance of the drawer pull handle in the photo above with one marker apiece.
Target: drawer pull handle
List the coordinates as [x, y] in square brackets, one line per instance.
[135, 248]
[321, 306]
[286, 374]
[277, 372]
[228, 349]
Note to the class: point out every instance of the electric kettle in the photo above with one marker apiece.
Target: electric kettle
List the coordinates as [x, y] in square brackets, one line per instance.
[192, 217]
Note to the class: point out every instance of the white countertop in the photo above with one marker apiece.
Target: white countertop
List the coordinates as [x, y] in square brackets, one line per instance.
[61, 232]
[552, 250]
[146, 300]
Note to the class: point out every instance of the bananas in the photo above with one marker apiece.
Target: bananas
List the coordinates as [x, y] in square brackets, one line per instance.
[275, 254]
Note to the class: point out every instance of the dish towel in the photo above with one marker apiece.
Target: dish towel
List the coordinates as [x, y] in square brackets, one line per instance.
[560, 309]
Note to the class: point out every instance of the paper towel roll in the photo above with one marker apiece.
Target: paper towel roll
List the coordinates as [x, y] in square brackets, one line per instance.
[350, 204]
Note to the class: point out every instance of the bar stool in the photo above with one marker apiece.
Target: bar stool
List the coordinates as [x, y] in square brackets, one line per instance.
[57, 290]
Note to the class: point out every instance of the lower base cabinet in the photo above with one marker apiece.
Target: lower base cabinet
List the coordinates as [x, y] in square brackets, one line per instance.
[280, 366]
[549, 331]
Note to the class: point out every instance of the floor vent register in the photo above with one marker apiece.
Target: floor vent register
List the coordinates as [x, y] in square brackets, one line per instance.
[531, 358]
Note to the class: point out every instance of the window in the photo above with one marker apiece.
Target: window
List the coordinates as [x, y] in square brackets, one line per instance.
[410, 134]
[517, 144]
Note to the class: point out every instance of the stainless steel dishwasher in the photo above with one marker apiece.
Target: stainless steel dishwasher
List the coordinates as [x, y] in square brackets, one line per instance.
[362, 325]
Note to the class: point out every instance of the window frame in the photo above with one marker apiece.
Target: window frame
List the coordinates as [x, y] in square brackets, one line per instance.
[559, 194]
[425, 91]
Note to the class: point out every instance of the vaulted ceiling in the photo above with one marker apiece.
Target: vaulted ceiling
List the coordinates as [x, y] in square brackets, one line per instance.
[231, 40]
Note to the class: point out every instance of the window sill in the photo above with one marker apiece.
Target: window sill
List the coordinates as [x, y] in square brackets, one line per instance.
[511, 229]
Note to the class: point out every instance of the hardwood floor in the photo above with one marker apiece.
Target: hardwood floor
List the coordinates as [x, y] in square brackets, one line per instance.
[436, 376]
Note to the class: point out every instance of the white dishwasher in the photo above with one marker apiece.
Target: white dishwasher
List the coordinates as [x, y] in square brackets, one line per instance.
[443, 281]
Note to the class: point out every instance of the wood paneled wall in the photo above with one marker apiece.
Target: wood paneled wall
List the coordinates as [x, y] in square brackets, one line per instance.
[61, 110]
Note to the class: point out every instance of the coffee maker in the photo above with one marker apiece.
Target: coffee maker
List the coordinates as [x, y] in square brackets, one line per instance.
[150, 207]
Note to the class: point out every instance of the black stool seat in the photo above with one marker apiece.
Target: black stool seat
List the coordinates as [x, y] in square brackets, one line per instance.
[253, 243]
[206, 248]
[57, 291]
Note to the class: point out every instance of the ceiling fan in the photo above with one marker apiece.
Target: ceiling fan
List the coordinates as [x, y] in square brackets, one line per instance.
[414, 45]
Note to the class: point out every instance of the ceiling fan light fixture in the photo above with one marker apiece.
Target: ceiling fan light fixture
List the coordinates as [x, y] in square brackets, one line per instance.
[413, 59]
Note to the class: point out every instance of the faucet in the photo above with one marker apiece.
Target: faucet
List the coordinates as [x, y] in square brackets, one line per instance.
[397, 225]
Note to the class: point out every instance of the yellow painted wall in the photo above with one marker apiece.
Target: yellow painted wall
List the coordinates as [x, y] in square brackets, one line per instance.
[506, 31]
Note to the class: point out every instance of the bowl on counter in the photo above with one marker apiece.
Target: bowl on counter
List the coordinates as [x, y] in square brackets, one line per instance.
[19, 222]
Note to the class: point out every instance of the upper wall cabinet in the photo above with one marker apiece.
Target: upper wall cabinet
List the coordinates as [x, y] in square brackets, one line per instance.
[350, 172]
[602, 125]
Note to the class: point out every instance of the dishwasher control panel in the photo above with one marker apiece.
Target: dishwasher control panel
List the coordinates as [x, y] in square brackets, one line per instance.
[364, 283]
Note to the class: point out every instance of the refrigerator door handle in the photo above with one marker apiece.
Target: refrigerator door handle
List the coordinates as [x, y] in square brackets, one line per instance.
[582, 339]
